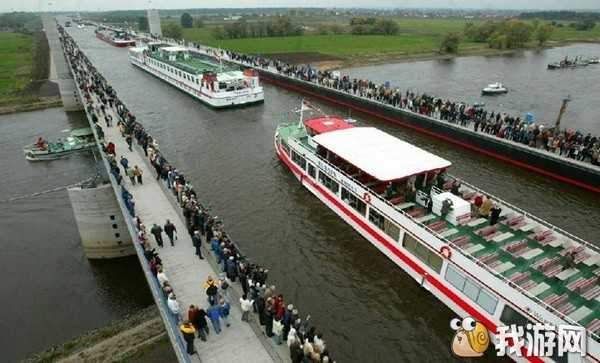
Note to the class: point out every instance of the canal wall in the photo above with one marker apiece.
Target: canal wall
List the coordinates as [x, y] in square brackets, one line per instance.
[570, 171]
[59, 70]
[576, 173]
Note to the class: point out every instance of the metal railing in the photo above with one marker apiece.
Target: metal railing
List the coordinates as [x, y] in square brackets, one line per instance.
[171, 325]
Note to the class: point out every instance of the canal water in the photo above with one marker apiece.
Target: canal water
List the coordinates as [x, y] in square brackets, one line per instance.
[367, 308]
[51, 292]
[532, 87]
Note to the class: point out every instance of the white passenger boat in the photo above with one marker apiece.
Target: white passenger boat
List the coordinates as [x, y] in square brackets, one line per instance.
[198, 75]
[494, 89]
[515, 269]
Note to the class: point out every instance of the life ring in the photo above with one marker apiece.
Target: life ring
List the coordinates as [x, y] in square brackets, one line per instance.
[446, 252]
[367, 197]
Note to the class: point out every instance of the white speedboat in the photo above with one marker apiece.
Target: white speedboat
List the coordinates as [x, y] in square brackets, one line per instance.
[494, 89]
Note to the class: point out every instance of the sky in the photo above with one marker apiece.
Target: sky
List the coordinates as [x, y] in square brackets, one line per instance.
[101, 5]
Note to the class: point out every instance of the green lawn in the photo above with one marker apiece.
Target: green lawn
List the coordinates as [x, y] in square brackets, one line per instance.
[417, 36]
[15, 62]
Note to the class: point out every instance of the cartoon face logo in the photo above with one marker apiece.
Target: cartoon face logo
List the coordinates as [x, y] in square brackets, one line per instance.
[471, 339]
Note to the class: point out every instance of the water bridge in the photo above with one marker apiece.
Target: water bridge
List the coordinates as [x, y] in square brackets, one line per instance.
[186, 273]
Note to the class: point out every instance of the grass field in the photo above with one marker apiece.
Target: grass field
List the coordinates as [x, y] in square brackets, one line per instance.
[417, 37]
[15, 62]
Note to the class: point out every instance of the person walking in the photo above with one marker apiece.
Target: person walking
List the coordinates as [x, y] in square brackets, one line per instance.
[131, 175]
[277, 330]
[138, 174]
[129, 141]
[197, 241]
[124, 163]
[198, 319]
[188, 332]
[173, 305]
[156, 230]
[246, 306]
[212, 290]
[224, 309]
[214, 314]
[171, 231]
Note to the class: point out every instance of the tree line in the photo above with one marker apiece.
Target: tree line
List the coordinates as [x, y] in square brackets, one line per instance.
[373, 26]
[278, 27]
[508, 34]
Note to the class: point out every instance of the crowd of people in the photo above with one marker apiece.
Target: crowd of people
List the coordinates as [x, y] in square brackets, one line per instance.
[280, 320]
[569, 143]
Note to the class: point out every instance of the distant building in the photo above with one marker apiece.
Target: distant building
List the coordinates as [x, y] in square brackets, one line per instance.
[154, 22]
[233, 18]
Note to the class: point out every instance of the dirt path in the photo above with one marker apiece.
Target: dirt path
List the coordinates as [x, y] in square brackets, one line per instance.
[122, 345]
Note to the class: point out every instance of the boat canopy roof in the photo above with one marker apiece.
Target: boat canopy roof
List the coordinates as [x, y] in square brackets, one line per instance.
[379, 154]
[84, 131]
[322, 124]
[173, 49]
[229, 76]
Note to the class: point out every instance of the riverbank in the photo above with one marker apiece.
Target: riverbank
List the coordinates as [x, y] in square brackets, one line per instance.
[138, 337]
[24, 72]
[417, 39]
[328, 62]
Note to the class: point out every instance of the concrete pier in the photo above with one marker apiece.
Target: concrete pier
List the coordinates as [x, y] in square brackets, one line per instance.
[100, 223]
[241, 342]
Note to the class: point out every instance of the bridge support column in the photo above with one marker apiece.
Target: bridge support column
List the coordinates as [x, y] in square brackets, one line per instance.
[100, 222]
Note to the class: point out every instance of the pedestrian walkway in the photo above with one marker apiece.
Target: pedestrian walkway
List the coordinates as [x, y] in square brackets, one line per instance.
[185, 271]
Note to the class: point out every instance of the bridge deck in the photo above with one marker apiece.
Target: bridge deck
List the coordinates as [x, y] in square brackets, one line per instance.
[185, 271]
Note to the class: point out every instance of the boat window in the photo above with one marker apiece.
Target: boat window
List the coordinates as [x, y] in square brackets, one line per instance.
[472, 290]
[356, 203]
[423, 253]
[455, 278]
[391, 229]
[311, 171]
[487, 301]
[376, 218]
[511, 316]
[328, 182]
[286, 148]
[299, 160]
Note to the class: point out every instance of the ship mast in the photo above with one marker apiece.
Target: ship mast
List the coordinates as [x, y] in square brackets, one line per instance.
[563, 108]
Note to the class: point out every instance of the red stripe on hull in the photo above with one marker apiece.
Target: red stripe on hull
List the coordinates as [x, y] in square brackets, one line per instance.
[376, 114]
[472, 311]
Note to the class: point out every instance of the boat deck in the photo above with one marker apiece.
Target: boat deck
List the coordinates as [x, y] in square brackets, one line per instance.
[527, 252]
[194, 64]
[532, 259]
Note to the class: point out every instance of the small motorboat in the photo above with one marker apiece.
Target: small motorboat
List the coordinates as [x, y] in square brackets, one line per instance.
[494, 89]
[78, 140]
[594, 60]
[555, 65]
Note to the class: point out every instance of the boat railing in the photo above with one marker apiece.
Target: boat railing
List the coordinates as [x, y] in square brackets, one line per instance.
[534, 218]
[450, 243]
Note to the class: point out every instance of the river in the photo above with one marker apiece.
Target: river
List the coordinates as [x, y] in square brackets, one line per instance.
[367, 308]
[51, 292]
[532, 87]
